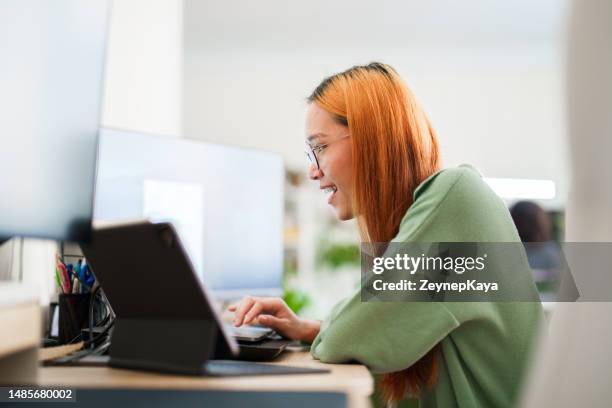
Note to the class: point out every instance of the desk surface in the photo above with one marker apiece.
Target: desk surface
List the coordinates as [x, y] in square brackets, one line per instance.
[352, 379]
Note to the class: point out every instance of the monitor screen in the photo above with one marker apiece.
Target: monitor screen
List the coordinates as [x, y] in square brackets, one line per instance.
[225, 202]
[51, 88]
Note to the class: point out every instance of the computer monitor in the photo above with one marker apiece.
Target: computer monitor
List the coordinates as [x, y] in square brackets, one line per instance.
[225, 202]
[51, 75]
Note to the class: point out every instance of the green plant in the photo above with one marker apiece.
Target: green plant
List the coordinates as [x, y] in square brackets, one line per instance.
[336, 255]
[296, 299]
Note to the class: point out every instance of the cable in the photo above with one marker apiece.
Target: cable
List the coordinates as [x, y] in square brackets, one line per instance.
[92, 302]
[92, 342]
[77, 355]
[87, 343]
[109, 316]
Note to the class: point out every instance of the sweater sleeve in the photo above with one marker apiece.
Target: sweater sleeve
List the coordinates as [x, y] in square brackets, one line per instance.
[385, 336]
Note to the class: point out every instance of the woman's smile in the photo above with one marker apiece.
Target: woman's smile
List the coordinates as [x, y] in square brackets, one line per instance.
[330, 192]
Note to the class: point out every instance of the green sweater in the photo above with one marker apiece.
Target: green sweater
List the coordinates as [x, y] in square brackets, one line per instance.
[485, 346]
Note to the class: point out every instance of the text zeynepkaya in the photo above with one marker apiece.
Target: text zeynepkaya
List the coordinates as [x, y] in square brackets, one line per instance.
[412, 265]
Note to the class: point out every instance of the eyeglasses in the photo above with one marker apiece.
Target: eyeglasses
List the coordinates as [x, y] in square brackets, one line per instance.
[311, 151]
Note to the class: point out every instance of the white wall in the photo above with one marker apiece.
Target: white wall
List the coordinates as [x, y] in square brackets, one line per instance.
[143, 84]
[500, 110]
[488, 73]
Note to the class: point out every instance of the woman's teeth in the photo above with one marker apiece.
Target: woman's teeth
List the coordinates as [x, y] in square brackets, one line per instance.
[330, 189]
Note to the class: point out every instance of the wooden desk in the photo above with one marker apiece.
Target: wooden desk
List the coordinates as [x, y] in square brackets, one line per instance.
[352, 380]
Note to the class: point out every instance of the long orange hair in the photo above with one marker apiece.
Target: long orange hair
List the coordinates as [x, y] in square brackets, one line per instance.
[394, 149]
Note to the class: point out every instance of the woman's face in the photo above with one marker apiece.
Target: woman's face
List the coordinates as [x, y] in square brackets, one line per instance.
[335, 161]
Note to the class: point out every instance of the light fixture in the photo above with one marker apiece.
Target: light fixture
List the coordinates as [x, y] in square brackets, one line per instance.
[511, 188]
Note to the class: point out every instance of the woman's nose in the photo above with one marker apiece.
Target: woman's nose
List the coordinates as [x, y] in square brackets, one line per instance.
[314, 173]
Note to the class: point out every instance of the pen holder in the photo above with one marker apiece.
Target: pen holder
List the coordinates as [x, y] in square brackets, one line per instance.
[73, 316]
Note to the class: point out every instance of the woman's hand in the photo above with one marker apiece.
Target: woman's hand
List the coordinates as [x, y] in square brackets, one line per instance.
[274, 313]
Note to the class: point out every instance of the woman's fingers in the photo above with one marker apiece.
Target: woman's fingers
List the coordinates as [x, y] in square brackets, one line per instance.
[256, 309]
[242, 309]
[271, 305]
[273, 322]
[272, 312]
[251, 307]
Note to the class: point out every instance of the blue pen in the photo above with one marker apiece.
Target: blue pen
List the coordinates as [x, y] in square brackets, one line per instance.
[81, 271]
[77, 269]
[88, 278]
[70, 269]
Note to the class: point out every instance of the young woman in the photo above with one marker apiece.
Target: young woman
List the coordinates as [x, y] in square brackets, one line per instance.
[375, 153]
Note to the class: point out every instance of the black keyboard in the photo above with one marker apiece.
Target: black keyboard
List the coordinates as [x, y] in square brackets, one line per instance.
[236, 368]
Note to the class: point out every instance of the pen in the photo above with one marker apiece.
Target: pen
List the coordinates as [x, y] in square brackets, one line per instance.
[64, 277]
[77, 269]
[57, 278]
[88, 278]
[75, 286]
